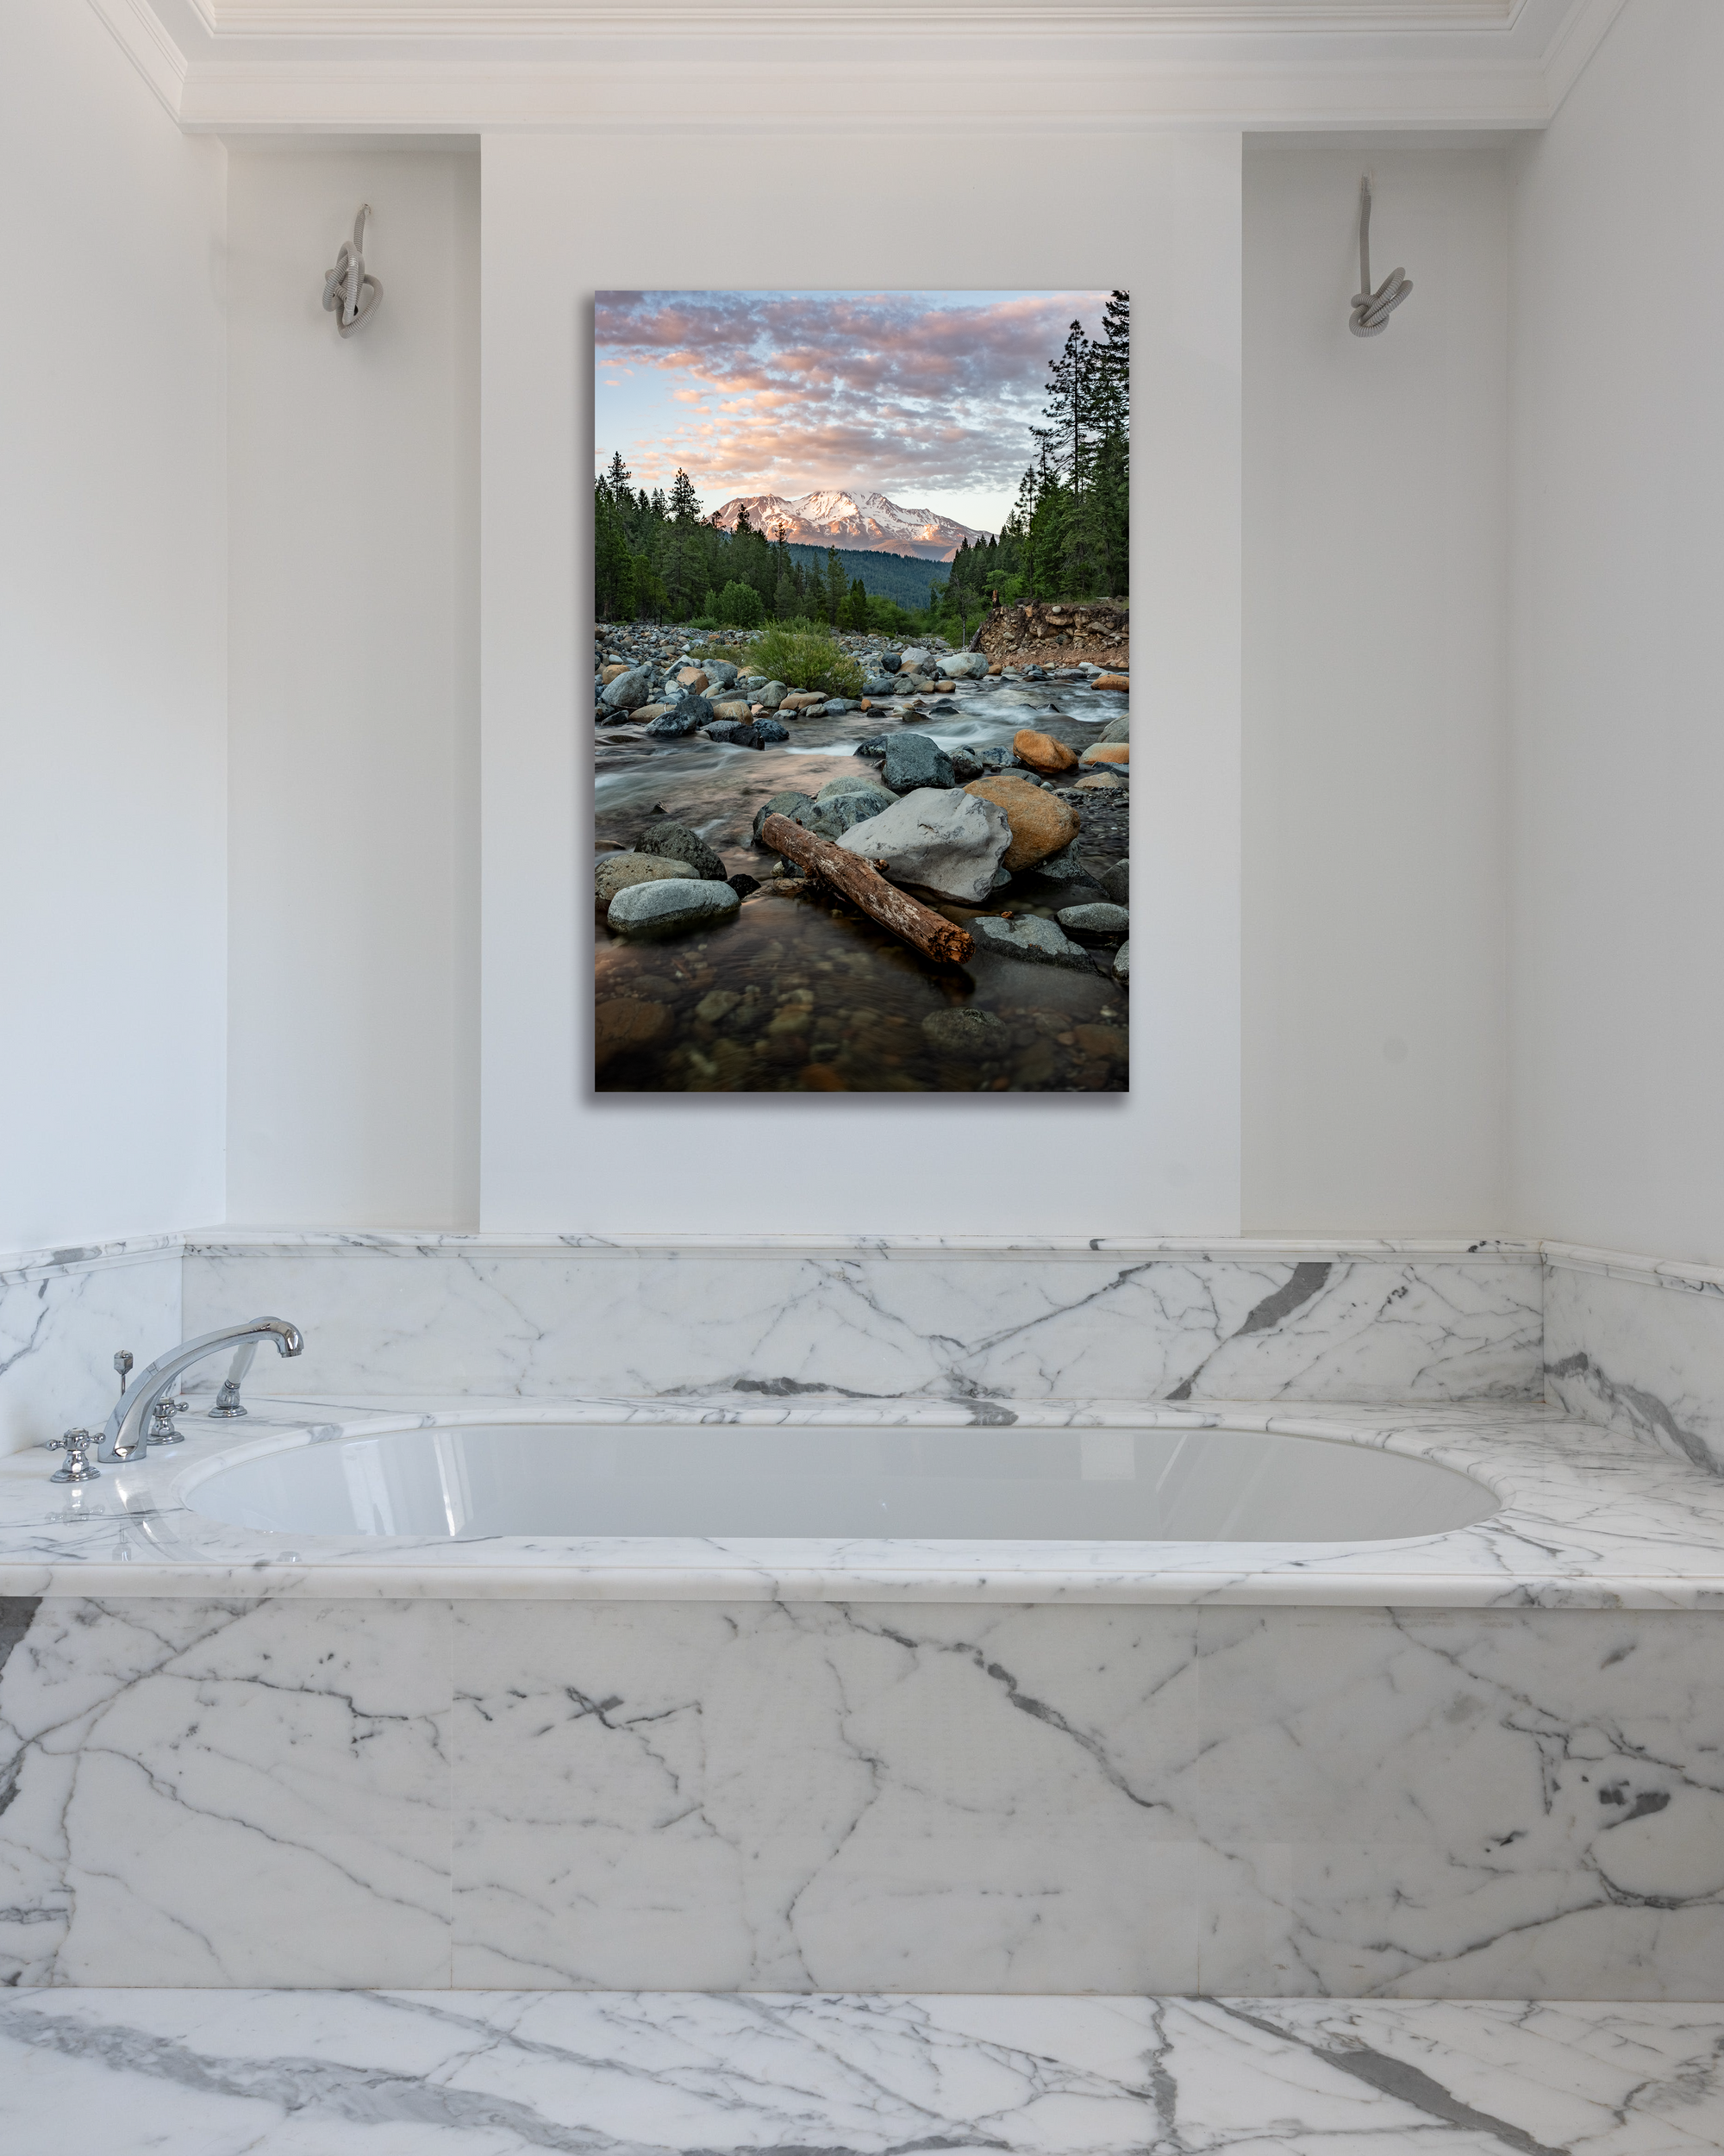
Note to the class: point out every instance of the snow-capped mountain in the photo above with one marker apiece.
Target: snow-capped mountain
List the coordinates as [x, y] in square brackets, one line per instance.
[859, 522]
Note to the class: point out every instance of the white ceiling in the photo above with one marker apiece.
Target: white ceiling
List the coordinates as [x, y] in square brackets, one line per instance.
[875, 68]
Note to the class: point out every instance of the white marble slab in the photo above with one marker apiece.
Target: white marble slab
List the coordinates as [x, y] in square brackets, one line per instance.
[874, 1317]
[1588, 1518]
[63, 1313]
[1639, 1347]
[863, 1797]
[402, 2073]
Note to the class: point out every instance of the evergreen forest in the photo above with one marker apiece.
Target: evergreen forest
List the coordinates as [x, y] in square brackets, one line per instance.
[659, 557]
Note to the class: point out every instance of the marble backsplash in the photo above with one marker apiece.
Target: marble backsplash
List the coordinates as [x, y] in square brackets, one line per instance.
[874, 1318]
[63, 1313]
[1637, 1347]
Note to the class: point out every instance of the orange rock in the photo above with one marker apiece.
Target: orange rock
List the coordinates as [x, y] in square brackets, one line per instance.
[629, 1022]
[1107, 752]
[693, 677]
[998, 666]
[1103, 781]
[821, 1077]
[733, 709]
[1041, 751]
[607, 674]
[1041, 824]
[1110, 681]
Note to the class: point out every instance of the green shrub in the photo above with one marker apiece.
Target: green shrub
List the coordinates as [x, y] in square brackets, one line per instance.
[741, 605]
[805, 655]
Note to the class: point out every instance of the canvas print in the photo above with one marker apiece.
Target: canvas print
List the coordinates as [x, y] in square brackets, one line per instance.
[861, 662]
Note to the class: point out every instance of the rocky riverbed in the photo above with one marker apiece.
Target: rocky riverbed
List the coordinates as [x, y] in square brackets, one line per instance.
[998, 799]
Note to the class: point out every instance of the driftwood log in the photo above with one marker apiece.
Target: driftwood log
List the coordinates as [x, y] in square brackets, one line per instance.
[931, 933]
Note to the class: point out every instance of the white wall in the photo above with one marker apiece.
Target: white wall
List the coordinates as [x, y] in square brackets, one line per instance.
[111, 644]
[353, 892]
[562, 216]
[1619, 570]
[1375, 883]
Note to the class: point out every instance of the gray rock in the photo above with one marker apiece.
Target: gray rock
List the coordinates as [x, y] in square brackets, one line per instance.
[912, 760]
[877, 685]
[796, 806]
[660, 909]
[913, 661]
[998, 759]
[845, 811]
[771, 730]
[1116, 882]
[772, 695]
[970, 1034]
[890, 662]
[742, 884]
[1119, 729]
[737, 733]
[967, 667]
[1026, 937]
[874, 746]
[719, 673]
[628, 691]
[676, 842]
[1122, 962]
[1061, 876]
[966, 765]
[851, 782]
[1096, 919]
[612, 872]
[686, 717]
[944, 839]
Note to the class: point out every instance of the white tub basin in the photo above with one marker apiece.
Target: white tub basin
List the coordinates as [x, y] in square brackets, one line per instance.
[466, 1481]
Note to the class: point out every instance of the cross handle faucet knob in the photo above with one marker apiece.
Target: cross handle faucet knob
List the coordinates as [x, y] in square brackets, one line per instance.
[75, 1445]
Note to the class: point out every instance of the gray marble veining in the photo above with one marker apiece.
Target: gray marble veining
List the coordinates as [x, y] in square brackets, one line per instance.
[62, 1316]
[1638, 1349]
[876, 1318]
[247, 2073]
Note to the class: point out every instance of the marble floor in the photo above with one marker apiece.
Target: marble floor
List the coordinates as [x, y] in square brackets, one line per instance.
[489, 2074]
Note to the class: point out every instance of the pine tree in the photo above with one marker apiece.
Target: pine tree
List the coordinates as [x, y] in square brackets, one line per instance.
[684, 505]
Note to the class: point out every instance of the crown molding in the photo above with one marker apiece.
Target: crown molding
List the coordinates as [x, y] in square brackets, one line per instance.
[859, 67]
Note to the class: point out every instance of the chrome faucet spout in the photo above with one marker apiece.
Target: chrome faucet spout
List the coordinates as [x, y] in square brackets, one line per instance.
[125, 1435]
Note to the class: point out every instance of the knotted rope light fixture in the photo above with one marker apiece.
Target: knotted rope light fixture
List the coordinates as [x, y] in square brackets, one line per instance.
[1371, 309]
[350, 293]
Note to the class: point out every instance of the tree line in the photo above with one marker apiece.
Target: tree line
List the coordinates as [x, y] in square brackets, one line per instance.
[1068, 534]
[658, 557]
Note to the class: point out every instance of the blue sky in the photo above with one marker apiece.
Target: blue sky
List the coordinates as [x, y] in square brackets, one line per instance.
[925, 397]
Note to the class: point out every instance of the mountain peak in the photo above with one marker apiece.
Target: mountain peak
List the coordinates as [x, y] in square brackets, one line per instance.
[856, 519]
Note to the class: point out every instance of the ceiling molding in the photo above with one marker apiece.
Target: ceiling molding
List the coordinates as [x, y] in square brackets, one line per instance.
[859, 67]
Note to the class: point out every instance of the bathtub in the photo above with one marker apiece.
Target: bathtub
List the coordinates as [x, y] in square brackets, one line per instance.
[473, 1480]
[879, 1696]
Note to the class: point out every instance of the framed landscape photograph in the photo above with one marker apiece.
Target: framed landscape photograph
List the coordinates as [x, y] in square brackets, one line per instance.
[861, 715]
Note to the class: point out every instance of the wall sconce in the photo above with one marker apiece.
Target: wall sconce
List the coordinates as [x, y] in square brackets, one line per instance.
[1371, 309]
[350, 293]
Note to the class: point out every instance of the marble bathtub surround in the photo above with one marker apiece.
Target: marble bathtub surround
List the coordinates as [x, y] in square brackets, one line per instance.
[246, 2073]
[864, 1797]
[877, 1317]
[1587, 1517]
[1486, 1763]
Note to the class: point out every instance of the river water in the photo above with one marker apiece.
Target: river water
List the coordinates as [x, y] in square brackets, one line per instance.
[798, 991]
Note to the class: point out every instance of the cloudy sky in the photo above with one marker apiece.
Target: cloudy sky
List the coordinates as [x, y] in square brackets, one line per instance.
[925, 397]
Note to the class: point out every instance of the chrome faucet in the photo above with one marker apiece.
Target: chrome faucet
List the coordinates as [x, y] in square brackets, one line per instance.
[125, 1435]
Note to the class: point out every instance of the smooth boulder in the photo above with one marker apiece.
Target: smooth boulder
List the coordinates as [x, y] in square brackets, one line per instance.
[1123, 963]
[661, 908]
[1041, 824]
[1111, 681]
[1107, 752]
[1119, 729]
[686, 717]
[676, 842]
[614, 872]
[966, 666]
[946, 841]
[1095, 920]
[737, 732]
[1041, 751]
[912, 761]
[1116, 882]
[719, 673]
[1029, 939]
[771, 697]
